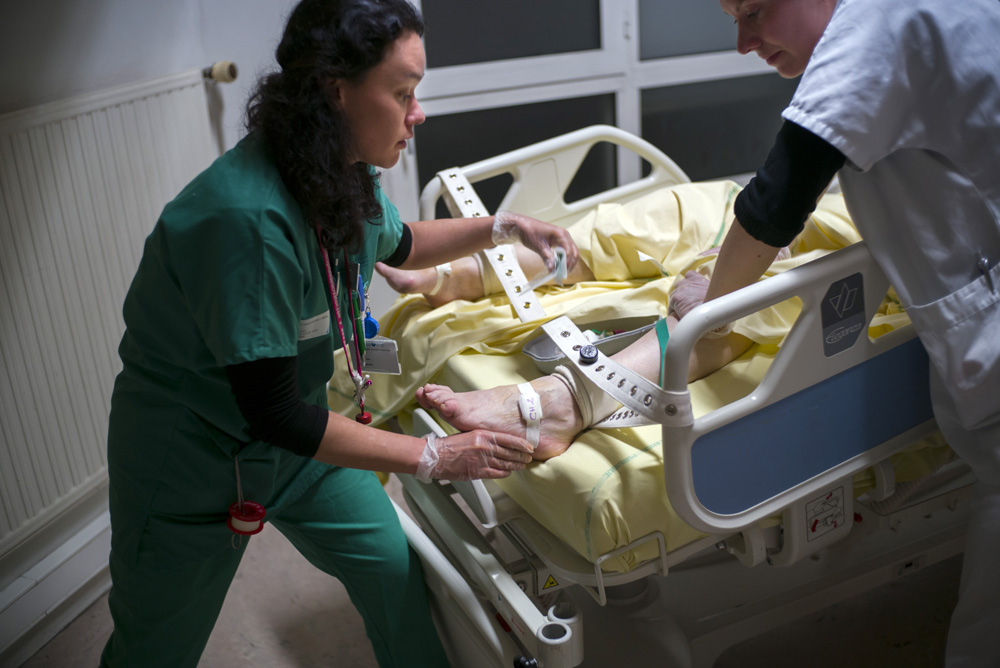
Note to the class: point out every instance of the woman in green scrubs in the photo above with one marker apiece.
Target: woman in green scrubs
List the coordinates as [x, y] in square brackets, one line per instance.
[231, 325]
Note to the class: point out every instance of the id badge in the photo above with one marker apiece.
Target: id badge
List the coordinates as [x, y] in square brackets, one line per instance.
[381, 356]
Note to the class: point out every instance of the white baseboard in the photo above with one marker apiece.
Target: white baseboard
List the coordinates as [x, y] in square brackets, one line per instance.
[43, 600]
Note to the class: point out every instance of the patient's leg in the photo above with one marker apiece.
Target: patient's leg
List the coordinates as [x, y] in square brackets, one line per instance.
[563, 417]
[468, 278]
[437, 284]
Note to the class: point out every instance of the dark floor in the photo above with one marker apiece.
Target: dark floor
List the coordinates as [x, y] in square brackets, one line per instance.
[283, 613]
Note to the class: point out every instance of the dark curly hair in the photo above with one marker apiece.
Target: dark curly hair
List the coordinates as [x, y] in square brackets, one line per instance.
[309, 141]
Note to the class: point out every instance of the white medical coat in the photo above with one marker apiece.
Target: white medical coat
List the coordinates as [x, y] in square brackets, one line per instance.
[909, 93]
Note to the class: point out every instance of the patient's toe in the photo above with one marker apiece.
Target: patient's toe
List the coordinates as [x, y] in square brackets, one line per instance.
[434, 397]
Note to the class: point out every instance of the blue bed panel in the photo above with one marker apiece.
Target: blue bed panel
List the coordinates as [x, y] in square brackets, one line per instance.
[758, 456]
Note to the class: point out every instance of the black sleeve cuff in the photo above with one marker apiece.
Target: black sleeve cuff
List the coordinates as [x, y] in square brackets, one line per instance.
[267, 394]
[402, 251]
[775, 205]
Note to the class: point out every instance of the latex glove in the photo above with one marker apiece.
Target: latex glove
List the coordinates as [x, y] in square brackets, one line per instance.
[688, 294]
[509, 227]
[472, 455]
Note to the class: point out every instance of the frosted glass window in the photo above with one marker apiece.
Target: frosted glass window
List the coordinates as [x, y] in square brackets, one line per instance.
[451, 140]
[717, 128]
[683, 27]
[459, 32]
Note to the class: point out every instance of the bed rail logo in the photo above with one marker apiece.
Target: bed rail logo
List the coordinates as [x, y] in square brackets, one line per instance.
[840, 332]
[843, 314]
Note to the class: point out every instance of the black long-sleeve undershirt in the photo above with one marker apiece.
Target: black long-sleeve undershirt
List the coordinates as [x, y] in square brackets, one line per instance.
[403, 249]
[775, 205]
[267, 394]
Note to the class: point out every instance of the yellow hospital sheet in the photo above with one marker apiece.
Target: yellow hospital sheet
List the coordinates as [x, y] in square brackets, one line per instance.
[608, 489]
[674, 226]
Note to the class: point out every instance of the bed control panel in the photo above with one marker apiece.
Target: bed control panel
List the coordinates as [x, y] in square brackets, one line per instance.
[815, 523]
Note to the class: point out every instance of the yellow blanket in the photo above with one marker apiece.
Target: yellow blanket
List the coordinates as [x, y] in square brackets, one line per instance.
[673, 226]
[608, 489]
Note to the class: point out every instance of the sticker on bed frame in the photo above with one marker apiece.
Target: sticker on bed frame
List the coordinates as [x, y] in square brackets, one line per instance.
[550, 583]
[843, 311]
[825, 514]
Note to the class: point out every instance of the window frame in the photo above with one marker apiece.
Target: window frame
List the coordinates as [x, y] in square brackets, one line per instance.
[615, 68]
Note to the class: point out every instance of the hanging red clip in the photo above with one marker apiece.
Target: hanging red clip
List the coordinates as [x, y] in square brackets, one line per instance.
[364, 417]
[246, 518]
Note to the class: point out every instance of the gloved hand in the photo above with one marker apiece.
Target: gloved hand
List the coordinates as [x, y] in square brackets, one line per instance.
[509, 227]
[472, 455]
[688, 294]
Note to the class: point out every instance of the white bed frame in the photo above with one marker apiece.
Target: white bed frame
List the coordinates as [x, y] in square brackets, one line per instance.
[507, 592]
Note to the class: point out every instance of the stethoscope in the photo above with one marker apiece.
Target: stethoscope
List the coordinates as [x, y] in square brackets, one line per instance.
[361, 381]
[246, 518]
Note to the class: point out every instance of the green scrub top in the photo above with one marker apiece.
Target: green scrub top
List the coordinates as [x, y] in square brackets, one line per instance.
[231, 273]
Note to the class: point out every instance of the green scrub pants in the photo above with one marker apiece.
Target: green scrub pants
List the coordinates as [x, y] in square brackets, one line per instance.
[343, 523]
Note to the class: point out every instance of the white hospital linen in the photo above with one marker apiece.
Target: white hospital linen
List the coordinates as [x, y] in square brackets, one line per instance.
[908, 92]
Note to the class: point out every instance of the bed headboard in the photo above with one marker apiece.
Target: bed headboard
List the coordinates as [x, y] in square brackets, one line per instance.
[542, 172]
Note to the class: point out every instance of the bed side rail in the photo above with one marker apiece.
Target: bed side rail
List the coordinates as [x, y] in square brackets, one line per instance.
[543, 171]
[555, 640]
[832, 403]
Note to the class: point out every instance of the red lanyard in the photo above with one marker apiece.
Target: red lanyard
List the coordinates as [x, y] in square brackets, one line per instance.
[361, 383]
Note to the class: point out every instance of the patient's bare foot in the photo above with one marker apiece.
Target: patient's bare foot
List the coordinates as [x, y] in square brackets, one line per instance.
[464, 281]
[497, 410]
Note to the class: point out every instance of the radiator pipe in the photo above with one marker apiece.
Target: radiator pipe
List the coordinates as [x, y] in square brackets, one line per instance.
[223, 71]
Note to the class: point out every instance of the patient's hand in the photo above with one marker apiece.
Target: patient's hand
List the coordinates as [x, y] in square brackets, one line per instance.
[497, 410]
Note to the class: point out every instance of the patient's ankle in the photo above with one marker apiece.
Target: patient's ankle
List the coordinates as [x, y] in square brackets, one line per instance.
[561, 419]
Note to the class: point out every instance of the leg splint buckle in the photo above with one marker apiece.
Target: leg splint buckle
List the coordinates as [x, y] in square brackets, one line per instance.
[503, 260]
[462, 200]
[643, 401]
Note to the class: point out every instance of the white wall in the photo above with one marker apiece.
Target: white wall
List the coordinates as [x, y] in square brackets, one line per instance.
[53, 49]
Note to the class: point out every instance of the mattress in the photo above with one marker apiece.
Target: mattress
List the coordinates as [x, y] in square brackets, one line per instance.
[607, 490]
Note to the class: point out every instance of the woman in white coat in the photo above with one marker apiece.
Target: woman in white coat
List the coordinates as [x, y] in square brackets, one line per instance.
[902, 101]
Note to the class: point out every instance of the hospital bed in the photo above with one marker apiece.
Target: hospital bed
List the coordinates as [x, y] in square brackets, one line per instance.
[795, 477]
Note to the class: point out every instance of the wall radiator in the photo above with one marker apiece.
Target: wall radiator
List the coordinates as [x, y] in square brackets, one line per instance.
[82, 181]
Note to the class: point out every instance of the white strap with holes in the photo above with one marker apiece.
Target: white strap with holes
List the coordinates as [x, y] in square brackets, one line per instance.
[463, 201]
[644, 401]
